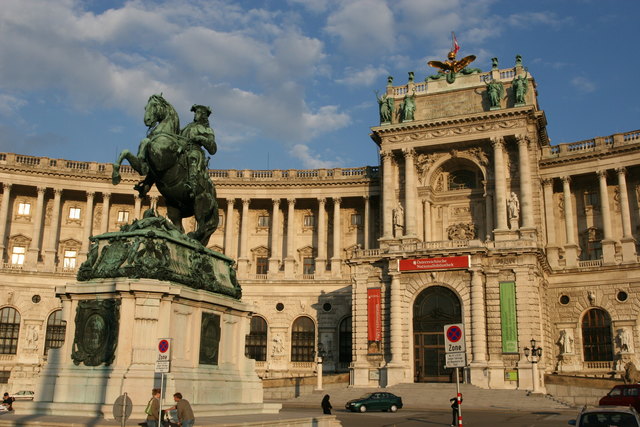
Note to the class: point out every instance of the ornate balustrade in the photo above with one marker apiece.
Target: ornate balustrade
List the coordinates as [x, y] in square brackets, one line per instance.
[591, 145]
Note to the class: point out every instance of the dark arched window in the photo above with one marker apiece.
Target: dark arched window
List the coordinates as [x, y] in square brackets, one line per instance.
[56, 328]
[256, 341]
[461, 179]
[344, 341]
[303, 340]
[596, 336]
[9, 330]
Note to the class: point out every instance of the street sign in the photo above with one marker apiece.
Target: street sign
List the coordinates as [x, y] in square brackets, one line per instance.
[163, 361]
[455, 360]
[122, 408]
[454, 338]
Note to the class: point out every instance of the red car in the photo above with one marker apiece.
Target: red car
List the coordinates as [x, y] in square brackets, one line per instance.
[623, 395]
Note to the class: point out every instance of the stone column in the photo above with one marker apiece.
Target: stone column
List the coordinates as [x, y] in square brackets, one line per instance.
[243, 260]
[488, 208]
[106, 206]
[36, 242]
[336, 259]
[137, 206]
[54, 232]
[500, 184]
[627, 241]
[478, 318]
[410, 193]
[526, 198]
[396, 319]
[290, 260]
[4, 217]
[321, 261]
[276, 242]
[427, 220]
[88, 226]
[367, 222]
[550, 219]
[570, 249]
[388, 194]
[608, 244]
[228, 230]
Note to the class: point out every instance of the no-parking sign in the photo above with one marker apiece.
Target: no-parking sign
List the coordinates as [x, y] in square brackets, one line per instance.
[454, 338]
[163, 362]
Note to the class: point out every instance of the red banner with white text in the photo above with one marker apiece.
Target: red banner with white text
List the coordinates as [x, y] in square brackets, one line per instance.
[374, 315]
[444, 263]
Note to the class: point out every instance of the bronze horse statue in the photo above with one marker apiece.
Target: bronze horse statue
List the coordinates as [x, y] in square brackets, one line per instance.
[163, 159]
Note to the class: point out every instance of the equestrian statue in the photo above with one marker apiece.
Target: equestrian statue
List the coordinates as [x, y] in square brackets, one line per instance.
[174, 161]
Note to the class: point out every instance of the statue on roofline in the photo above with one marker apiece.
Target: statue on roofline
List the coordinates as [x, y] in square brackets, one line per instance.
[451, 67]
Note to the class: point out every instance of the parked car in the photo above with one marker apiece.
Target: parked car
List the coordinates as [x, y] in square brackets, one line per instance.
[378, 401]
[23, 395]
[623, 395]
[607, 416]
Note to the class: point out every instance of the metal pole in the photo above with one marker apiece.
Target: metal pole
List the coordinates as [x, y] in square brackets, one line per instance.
[319, 385]
[124, 409]
[160, 400]
[534, 369]
[459, 398]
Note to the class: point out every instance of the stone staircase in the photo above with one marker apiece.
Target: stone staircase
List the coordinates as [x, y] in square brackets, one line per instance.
[436, 396]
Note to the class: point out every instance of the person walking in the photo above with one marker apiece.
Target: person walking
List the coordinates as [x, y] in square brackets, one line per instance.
[454, 410]
[185, 413]
[326, 405]
[153, 407]
[7, 401]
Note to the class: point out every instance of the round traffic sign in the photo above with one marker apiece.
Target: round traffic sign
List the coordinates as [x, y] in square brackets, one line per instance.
[163, 346]
[454, 333]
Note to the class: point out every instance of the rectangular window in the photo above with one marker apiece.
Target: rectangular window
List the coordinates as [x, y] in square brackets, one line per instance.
[263, 221]
[308, 265]
[262, 265]
[4, 377]
[74, 213]
[356, 219]
[221, 221]
[123, 216]
[24, 208]
[17, 255]
[309, 221]
[591, 198]
[69, 259]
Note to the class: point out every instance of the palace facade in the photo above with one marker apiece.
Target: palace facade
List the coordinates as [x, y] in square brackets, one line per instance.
[472, 217]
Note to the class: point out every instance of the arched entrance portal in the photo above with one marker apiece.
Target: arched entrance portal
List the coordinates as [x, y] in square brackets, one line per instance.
[435, 307]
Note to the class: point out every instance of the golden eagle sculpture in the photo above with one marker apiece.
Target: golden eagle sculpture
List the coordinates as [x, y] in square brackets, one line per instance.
[451, 66]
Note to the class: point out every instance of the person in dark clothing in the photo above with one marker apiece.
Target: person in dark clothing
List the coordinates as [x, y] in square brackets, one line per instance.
[326, 405]
[7, 401]
[454, 410]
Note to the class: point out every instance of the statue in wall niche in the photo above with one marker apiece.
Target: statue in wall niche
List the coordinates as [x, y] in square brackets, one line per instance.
[520, 86]
[278, 346]
[623, 339]
[398, 220]
[513, 206]
[566, 342]
[32, 337]
[386, 108]
[173, 160]
[495, 92]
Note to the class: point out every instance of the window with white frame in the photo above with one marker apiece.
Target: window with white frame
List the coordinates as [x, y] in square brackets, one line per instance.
[24, 208]
[17, 255]
[221, 220]
[69, 261]
[309, 221]
[356, 219]
[263, 221]
[74, 213]
[123, 216]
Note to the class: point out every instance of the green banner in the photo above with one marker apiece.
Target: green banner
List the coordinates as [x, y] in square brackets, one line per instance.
[508, 317]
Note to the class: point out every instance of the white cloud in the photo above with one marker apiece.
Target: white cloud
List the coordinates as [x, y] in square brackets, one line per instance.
[364, 77]
[310, 160]
[10, 104]
[583, 84]
[326, 119]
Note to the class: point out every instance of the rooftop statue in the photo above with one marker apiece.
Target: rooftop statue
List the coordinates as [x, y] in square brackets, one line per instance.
[451, 66]
[173, 160]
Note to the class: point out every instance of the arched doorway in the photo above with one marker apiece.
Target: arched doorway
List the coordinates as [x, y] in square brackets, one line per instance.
[597, 343]
[435, 307]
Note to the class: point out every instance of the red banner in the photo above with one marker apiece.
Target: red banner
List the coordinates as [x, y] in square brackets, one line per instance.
[374, 314]
[445, 263]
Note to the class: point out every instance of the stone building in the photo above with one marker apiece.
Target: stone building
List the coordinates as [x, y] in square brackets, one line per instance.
[472, 217]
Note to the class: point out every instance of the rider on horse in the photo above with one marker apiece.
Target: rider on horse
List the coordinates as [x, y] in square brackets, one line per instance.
[198, 134]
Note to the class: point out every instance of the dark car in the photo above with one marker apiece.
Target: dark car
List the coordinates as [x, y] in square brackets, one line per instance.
[378, 401]
[623, 395]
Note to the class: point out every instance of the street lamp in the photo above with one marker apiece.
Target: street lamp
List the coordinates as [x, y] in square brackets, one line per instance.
[319, 359]
[533, 355]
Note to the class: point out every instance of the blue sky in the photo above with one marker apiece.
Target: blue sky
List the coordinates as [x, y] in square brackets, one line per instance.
[291, 82]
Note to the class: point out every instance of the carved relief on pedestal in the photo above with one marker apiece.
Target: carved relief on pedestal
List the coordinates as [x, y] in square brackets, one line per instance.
[461, 231]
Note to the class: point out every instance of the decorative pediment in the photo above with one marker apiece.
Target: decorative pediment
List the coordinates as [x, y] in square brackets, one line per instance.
[216, 248]
[260, 252]
[307, 252]
[70, 244]
[19, 240]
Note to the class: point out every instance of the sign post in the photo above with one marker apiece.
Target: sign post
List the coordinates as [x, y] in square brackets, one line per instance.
[455, 357]
[163, 365]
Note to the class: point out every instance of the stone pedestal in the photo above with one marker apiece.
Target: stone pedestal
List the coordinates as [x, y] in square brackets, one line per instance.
[608, 251]
[628, 250]
[113, 329]
[479, 374]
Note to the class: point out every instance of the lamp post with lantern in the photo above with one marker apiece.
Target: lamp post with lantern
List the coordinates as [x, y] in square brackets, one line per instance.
[533, 355]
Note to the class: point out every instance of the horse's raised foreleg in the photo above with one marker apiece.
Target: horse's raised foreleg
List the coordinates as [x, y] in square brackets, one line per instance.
[134, 161]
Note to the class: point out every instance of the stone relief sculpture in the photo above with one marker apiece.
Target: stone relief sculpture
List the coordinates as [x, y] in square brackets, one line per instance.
[278, 346]
[32, 337]
[591, 296]
[461, 231]
[623, 339]
[566, 341]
